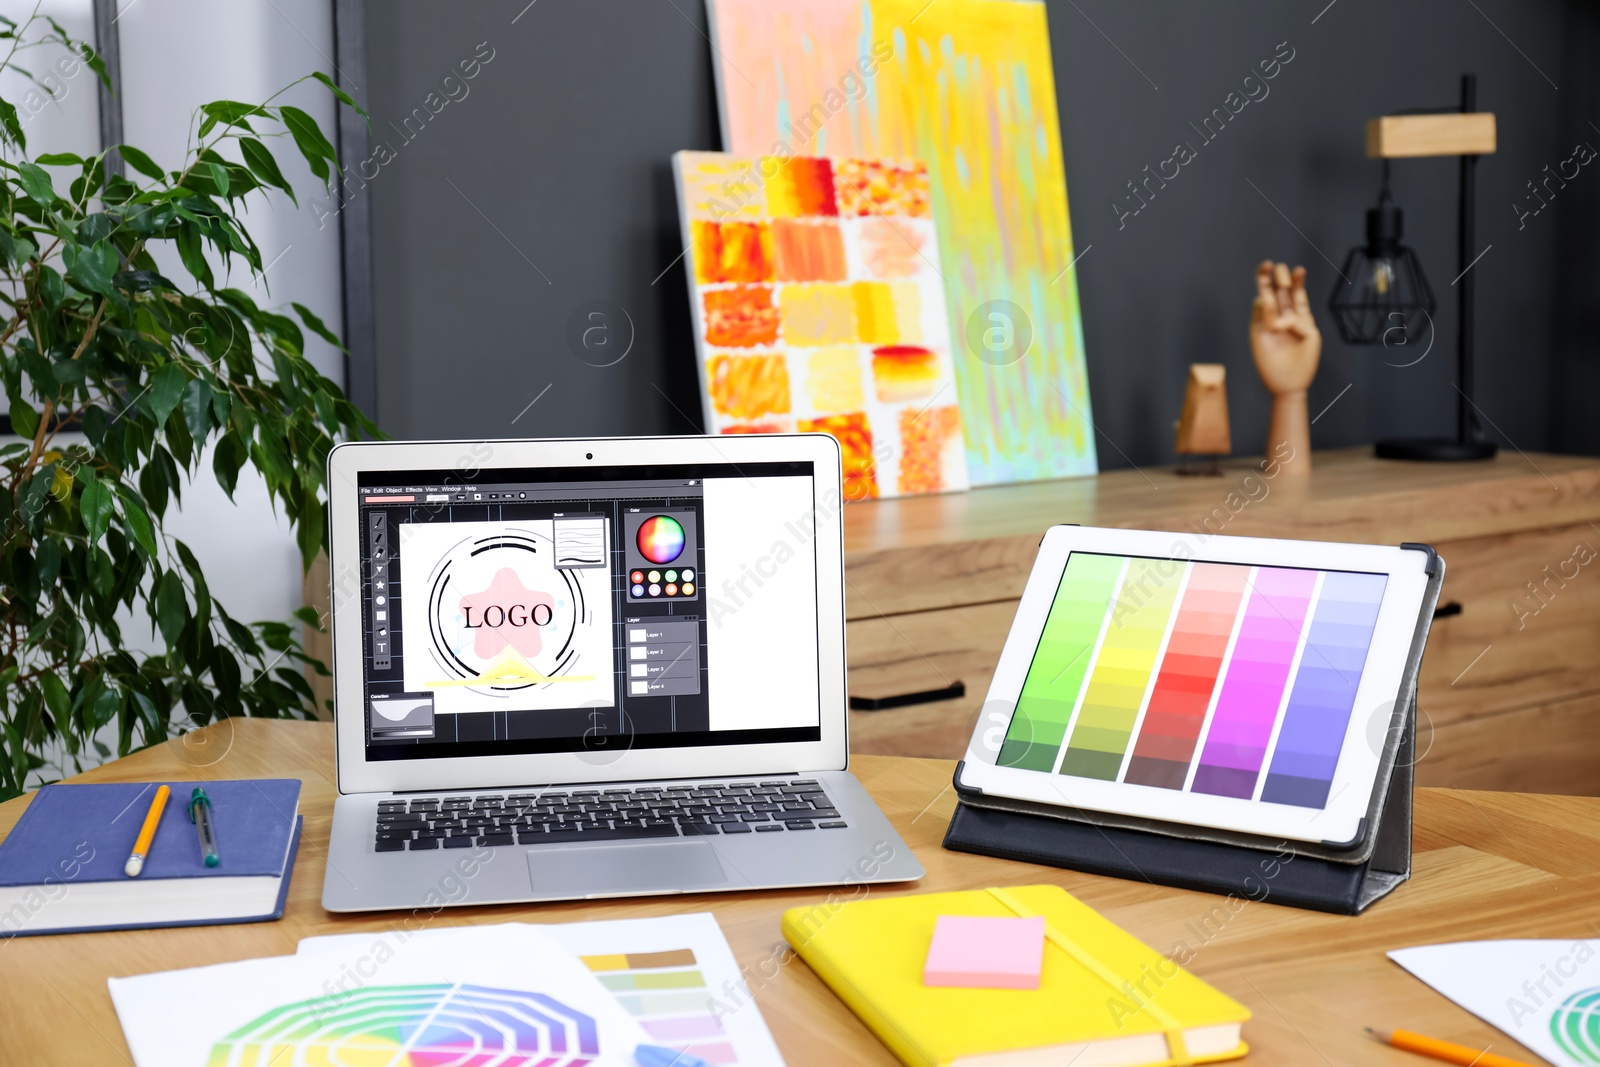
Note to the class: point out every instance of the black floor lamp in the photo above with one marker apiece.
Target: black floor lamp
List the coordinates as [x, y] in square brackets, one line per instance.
[1382, 292]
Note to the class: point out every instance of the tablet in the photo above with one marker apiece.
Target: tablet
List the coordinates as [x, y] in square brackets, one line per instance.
[1236, 683]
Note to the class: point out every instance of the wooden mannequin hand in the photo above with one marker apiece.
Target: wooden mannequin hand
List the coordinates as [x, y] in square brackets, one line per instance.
[1287, 347]
[1283, 336]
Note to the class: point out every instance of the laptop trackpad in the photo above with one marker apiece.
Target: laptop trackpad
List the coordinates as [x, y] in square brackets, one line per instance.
[644, 867]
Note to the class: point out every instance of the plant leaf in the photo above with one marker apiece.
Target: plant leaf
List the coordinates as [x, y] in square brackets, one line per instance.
[226, 461]
[154, 487]
[197, 408]
[95, 506]
[309, 139]
[147, 710]
[172, 608]
[24, 420]
[11, 124]
[91, 267]
[140, 162]
[141, 281]
[105, 709]
[166, 386]
[317, 326]
[36, 183]
[219, 175]
[95, 227]
[226, 113]
[344, 97]
[56, 698]
[193, 256]
[138, 520]
[262, 164]
[100, 573]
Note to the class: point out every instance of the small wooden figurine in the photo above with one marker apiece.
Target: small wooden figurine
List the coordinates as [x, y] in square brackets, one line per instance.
[1203, 427]
[1287, 346]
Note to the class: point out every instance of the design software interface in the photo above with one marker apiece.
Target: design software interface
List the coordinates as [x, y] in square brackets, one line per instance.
[551, 610]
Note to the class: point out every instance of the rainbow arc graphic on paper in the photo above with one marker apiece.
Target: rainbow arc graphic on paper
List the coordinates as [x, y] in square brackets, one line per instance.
[1212, 678]
[428, 1025]
[1576, 1026]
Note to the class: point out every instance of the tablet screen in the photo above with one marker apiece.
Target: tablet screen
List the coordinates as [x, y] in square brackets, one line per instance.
[1216, 679]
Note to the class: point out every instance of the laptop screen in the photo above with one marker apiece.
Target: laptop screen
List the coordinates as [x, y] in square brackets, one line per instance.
[566, 609]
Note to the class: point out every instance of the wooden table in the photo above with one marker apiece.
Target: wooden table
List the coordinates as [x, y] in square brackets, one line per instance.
[1487, 865]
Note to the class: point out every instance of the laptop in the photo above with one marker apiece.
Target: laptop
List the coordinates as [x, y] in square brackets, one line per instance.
[573, 669]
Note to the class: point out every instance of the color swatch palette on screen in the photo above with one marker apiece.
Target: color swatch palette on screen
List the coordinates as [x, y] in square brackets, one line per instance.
[666, 992]
[1212, 678]
[819, 306]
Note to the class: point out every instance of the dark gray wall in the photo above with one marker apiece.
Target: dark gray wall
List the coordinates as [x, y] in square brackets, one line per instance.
[548, 187]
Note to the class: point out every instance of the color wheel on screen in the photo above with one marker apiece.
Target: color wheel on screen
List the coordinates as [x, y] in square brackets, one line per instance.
[431, 1025]
[661, 539]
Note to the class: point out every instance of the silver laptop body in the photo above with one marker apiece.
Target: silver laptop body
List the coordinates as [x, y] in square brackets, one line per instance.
[571, 669]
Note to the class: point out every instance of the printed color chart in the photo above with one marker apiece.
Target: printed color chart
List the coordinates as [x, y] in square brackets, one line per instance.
[667, 993]
[1197, 677]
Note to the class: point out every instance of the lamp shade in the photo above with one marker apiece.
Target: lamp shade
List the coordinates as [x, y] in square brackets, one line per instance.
[1382, 293]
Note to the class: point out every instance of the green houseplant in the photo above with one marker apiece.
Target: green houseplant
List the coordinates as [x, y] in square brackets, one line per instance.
[119, 379]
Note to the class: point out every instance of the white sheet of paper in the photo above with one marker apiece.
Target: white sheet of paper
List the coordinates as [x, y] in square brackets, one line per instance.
[680, 1019]
[489, 987]
[1546, 994]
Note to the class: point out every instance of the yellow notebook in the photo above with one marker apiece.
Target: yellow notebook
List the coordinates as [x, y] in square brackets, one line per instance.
[1105, 998]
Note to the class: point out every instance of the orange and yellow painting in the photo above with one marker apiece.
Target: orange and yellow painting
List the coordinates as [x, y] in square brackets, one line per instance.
[968, 88]
[818, 306]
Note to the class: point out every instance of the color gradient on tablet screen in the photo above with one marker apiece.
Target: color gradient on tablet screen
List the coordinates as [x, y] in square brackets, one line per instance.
[1123, 669]
[1083, 601]
[1325, 690]
[1215, 678]
[1255, 681]
[1189, 672]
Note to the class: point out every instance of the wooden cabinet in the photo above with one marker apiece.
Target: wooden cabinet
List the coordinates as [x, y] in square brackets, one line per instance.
[1510, 692]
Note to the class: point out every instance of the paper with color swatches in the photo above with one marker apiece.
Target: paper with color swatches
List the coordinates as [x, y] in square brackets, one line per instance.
[675, 975]
[512, 994]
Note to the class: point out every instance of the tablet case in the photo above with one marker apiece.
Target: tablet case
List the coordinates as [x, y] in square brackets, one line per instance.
[1340, 877]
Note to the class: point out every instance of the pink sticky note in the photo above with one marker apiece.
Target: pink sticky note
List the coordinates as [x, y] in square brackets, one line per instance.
[979, 952]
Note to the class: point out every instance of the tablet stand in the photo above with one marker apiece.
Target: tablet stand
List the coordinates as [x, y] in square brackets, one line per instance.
[1321, 877]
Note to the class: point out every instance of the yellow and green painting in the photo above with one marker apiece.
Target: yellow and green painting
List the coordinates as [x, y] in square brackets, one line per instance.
[967, 87]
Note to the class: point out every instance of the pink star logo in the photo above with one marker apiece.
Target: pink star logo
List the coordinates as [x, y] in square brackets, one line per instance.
[507, 613]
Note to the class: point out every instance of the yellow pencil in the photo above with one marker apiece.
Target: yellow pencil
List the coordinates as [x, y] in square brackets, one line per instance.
[147, 833]
[1448, 1051]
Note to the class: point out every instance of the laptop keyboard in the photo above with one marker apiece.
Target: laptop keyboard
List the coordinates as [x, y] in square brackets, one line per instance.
[555, 816]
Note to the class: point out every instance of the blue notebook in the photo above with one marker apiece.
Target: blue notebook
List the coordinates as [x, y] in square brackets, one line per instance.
[61, 866]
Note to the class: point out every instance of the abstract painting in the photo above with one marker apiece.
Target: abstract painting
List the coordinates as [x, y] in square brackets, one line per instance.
[966, 86]
[818, 306]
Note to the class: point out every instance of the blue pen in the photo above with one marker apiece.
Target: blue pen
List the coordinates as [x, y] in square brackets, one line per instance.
[200, 815]
[660, 1056]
